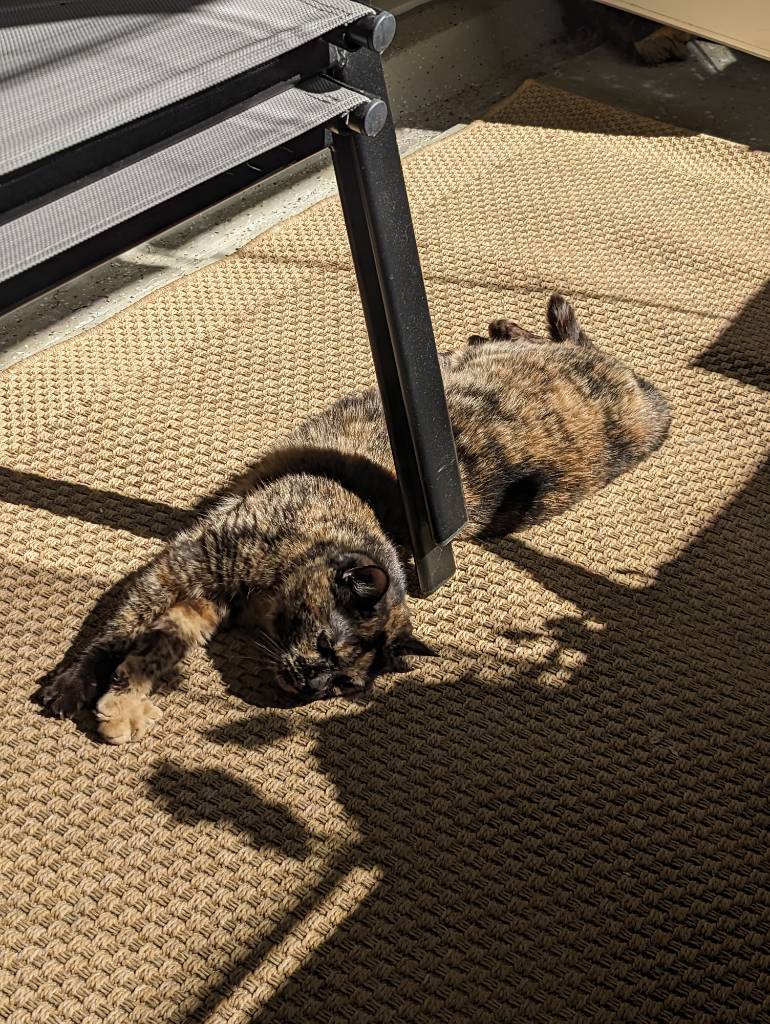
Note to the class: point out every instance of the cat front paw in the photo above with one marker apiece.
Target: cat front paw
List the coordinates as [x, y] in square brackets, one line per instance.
[66, 693]
[125, 717]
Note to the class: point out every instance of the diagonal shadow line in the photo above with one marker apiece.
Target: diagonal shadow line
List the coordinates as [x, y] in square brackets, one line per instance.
[149, 519]
[156, 519]
[240, 968]
[536, 287]
[741, 350]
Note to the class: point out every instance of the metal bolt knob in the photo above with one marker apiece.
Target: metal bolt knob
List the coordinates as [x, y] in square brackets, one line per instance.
[375, 31]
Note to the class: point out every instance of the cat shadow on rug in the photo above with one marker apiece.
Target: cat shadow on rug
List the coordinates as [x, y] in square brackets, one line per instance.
[422, 811]
[191, 796]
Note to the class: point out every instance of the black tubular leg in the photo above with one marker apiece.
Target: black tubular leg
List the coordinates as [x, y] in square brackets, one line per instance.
[381, 235]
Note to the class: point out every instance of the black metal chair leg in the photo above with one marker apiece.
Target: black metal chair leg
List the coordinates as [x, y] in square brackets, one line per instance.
[381, 235]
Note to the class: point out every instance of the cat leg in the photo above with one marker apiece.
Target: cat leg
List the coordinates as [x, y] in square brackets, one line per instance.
[125, 712]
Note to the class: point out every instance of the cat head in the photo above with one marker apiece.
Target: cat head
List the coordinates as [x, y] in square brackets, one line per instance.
[338, 622]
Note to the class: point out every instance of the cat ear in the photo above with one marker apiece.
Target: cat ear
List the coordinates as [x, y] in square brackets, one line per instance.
[507, 330]
[366, 584]
[411, 644]
[395, 663]
[406, 644]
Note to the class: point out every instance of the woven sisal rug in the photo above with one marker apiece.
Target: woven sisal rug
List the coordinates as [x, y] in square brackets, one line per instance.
[564, 817]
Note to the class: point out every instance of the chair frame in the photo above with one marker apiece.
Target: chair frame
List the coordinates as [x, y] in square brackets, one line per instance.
[380, 231]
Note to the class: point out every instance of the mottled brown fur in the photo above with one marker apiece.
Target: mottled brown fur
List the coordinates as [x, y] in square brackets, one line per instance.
[307, 551]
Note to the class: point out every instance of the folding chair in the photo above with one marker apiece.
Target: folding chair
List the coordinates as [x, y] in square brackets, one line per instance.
[119, 118]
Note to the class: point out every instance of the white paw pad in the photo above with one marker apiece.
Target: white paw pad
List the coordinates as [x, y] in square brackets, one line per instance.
[125, 716]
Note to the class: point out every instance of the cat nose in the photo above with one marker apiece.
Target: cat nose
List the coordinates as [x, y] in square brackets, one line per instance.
[320, 680]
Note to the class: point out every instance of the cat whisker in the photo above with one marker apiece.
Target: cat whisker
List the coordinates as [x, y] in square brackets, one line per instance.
[270, 654]
[270, 642]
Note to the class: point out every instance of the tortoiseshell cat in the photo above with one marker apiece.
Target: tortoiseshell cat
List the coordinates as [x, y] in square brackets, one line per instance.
[308, 548]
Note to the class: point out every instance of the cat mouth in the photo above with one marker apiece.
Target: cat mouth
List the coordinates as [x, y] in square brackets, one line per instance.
[323, 686]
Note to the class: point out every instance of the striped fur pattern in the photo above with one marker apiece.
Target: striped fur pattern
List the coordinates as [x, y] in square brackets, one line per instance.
[307, 551]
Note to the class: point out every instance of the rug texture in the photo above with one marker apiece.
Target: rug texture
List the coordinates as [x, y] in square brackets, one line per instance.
[562, 818]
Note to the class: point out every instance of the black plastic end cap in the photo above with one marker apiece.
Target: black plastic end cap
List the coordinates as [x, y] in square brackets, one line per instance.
[375, 31]
[369, 119]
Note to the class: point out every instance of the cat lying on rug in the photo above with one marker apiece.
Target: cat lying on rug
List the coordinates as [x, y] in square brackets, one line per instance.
[308, 550]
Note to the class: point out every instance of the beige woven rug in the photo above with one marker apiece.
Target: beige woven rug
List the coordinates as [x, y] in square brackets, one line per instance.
[565, 817]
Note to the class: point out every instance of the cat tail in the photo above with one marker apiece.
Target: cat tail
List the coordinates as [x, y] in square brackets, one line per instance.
[563, 324]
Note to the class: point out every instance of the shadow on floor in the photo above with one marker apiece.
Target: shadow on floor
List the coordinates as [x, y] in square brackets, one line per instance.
[44, 314]
[193, 796]
[742, 351]
[93, 505]
[595, 851]
[534, 107]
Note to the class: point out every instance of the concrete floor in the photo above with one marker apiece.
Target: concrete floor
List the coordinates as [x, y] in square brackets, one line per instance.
[716, 90]
[451, 61]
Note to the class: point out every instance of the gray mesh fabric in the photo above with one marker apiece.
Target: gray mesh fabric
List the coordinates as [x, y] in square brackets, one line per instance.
[72, 69]
[255, 128]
